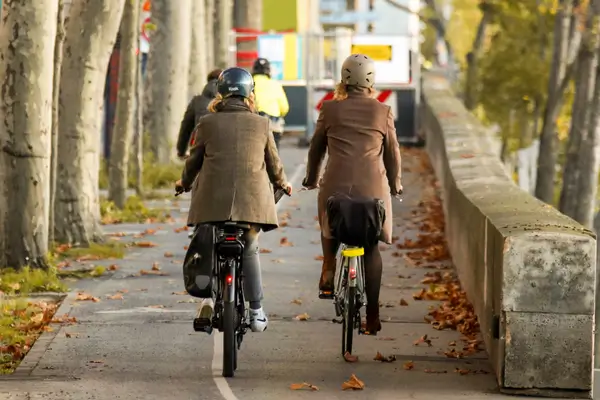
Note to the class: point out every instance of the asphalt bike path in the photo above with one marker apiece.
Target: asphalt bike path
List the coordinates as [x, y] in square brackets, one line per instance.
[137, 341]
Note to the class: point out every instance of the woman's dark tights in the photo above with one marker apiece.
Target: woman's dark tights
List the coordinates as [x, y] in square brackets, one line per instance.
[373, 270]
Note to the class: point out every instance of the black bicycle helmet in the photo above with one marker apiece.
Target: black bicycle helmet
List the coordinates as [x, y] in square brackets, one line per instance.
[261, 66]
[235, 82]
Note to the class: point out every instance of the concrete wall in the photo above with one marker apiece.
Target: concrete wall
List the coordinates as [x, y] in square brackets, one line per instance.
[528, 269]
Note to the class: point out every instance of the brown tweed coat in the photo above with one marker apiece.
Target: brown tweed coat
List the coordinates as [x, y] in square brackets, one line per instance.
[235, 161]
[359, 136]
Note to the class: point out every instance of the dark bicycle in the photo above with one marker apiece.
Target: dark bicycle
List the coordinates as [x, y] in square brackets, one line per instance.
[230, 315]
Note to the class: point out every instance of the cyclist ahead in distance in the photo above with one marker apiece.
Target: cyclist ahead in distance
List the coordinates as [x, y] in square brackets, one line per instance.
[235, 161]
[358, 133]
[196, 109]
[271, 100]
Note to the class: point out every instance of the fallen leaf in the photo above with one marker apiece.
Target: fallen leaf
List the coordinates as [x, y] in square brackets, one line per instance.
[153, 272]
[319, 258]
[155, 266]
[168, 254]
[302, 317]
[185, 247]
[116, 296]
[350, 358]
[423, 339]
[182, 293]
[303, 386]
[265, 251]
[432, 371]
[284, 242]
[81, 296]
[145, 244]
[403, 302]
[113, 267]
[353, 383]
[382, 358]
[408, 365]
[96, 362]
[296, 301]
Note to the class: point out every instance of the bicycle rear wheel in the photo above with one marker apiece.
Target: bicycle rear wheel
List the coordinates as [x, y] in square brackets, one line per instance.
[349, 320]
[229, 339]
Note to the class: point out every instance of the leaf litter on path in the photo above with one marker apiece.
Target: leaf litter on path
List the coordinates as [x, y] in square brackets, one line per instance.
[353, 383]
[82, 296]
[303, 386]
[385, 359]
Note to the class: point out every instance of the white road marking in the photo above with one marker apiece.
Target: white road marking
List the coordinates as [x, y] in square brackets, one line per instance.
[217, 361]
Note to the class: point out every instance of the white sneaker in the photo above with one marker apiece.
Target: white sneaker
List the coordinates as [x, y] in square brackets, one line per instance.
[205, 310]
[258, 320]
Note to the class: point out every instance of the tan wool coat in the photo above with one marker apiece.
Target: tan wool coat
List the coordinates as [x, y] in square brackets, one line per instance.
[232, 165]
[359, 136]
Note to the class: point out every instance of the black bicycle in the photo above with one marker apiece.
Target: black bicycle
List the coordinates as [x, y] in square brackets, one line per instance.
[230, 315]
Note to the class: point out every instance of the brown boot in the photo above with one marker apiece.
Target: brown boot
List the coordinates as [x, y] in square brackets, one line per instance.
[326, 283]
[373, 324]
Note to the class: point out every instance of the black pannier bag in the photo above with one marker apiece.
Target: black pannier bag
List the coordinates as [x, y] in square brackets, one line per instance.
[354, 220]
[199, 262]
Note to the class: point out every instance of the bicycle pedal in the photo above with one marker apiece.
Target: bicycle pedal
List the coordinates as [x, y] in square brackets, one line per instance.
[203, 325]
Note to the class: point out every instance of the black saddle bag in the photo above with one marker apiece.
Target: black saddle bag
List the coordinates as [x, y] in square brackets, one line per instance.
[355, 221]
[199, 262]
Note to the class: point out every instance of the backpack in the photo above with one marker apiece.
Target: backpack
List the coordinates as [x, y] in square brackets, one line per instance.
[355, 221]
[199, 262]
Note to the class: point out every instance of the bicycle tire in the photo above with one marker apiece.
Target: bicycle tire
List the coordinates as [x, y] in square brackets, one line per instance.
[229, 339]
[349, 321]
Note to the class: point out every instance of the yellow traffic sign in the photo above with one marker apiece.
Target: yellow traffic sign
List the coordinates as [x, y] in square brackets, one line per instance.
[377, 52]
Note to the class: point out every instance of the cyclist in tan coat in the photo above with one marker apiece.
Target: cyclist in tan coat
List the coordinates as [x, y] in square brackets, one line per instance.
[358, 133]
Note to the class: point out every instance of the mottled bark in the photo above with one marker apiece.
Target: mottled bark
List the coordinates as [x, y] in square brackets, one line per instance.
[580, 119]
[198, 68]
[138, 141]
[168, 62]
[223, 25]
[58, 55]
[91, 31]
[27, 36]
[125, 115]
[547, 158]
[210, 33]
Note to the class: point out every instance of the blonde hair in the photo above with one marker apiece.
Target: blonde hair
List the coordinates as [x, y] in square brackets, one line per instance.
[341, 91]
[214, 104]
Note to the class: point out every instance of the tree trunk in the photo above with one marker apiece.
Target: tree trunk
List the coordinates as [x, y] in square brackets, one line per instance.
[473, 59]
[584, 89]
[223, 24]
[138, 142]
[210, 33]
[168, 72]
[546, 170]
[125, 115]
[198, 64]
[58, 55]
[248, 14]
[27, 36]
[91, 31]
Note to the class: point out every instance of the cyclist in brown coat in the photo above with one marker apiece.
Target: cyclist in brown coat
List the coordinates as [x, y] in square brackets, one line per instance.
[358, 133]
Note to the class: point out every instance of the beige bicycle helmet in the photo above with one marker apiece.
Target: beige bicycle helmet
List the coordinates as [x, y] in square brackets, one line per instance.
[358, 70]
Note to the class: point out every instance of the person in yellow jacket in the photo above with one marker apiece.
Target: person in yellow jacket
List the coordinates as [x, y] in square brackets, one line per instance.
[271, 100]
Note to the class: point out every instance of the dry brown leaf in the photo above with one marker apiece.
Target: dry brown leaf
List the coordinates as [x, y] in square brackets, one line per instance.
[168, 254]
[155, 266]
[182, 293]
[113, 267]
[350, 358]
[408, 365]
[144, 244]
[403, 302]
[353, 383]
[302, 317]
[116, 296]
[432, 371]
[382, 358]
[423, 339]
[284, 242]
[303, 386]
[153, 272]
[296, 301]
[319, 258]
[81, 296]
[265, 251]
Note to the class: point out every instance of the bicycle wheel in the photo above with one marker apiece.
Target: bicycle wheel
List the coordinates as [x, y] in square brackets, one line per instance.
[348, 320]
[229, 339]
